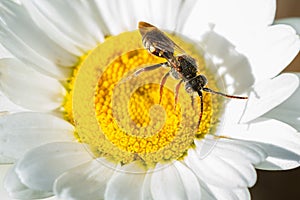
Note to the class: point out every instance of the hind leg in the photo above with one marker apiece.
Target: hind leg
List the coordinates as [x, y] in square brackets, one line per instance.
[162, 83]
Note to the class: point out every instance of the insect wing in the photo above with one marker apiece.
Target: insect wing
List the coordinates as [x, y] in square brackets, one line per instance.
[157, 42]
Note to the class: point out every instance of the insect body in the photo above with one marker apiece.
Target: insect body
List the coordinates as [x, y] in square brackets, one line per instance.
[183, 67]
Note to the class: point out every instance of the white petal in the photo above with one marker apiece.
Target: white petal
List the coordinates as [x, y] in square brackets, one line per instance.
[189, 181]
[237, 150]
[166, 14]
[251, 60]
[271, 50]
[206, 193]
[292, 21]
[28, 88]
[222, 172]
[125, 15]
[109, 11]
[53, 31]
[18, 190]
[75, 20]
[162, 14]
[242, 193]
[232, 15]
[21, 132]
[146, 189]
[288, 111]
[28, 55]
[126, 184]
[229, 65]
[7, 106]
[39, 167]
[87, 181]
[18, 21]
[279, 159]
[125, 10]
[223, 193]
[268, 94]
[4, 169]
[174, 182]
[278, 140]
[4, 53]
[184, 11]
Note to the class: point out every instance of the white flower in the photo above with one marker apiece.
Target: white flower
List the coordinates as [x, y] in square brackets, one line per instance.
[46, 40]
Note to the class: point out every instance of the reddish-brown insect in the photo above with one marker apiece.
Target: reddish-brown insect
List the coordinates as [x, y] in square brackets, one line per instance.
[182, 66]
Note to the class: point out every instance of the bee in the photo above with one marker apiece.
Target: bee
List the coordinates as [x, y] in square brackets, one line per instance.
[182, 66]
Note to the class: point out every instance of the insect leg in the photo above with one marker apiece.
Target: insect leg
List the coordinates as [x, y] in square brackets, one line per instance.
[149, 68]
[177, 92]
[192, 100]
[201, 108]
[162, 83]
[145, 69]
[222, 94]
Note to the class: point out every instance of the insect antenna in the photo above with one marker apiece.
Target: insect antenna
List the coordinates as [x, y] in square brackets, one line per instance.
[213, 92]
[201, 108]
[222, 94]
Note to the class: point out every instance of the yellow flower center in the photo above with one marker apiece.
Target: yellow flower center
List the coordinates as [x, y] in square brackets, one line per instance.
[120, 118]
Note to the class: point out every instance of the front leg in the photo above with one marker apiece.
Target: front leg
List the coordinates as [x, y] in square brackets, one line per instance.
[145, 69]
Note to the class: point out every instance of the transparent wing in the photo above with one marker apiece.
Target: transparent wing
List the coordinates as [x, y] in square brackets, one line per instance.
[160, 43]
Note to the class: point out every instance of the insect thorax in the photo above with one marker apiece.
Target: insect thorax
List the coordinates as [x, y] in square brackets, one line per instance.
[188, 66]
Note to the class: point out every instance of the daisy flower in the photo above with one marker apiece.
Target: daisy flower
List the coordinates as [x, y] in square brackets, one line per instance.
[72, 128]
